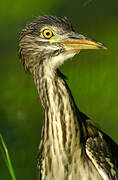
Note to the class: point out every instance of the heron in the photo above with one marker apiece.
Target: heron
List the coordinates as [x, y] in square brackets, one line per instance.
[72, 147]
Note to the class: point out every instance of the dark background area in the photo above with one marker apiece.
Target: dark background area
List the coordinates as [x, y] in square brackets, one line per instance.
[92, 76]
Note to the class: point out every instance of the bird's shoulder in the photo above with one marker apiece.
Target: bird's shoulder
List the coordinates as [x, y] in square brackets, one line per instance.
[101, 150]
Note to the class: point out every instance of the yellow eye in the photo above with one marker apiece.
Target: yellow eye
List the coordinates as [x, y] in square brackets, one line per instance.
[47, 33]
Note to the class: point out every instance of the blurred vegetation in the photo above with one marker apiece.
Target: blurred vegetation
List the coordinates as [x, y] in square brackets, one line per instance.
[93, 76]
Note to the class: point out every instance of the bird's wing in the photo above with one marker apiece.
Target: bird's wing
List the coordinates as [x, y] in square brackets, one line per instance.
[99, 153]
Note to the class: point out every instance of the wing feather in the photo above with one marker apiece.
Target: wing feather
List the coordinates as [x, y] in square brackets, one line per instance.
[99, 153]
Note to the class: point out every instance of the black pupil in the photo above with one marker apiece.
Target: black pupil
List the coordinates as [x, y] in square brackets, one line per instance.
[47, 33]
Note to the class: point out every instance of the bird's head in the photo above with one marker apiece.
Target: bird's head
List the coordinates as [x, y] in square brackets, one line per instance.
[52, 40]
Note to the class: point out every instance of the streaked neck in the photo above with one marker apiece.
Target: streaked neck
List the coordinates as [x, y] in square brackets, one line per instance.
[61, 129]
[61, 121]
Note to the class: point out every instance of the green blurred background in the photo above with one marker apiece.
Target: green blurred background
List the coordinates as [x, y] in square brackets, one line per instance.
[92, 76]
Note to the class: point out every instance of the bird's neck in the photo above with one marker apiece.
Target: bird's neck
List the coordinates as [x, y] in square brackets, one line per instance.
[61, 124]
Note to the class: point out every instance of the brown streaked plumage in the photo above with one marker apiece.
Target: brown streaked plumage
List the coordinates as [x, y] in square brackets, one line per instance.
[71, 147]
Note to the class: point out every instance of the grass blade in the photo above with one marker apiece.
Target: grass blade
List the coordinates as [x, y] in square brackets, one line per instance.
[6, 157]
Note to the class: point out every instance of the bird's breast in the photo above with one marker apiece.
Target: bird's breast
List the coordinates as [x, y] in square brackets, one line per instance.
[60, 166]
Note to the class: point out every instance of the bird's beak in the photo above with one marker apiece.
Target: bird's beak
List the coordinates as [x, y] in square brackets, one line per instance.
[77, 42]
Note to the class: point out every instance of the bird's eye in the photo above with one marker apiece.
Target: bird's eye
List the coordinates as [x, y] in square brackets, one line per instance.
[47, 33]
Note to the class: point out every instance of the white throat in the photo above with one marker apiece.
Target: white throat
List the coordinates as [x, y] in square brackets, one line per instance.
[59, 60]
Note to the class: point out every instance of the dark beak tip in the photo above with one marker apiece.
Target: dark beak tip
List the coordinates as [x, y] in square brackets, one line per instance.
[103, 47]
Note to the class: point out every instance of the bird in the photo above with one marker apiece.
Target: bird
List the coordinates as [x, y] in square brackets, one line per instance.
[72, 147]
